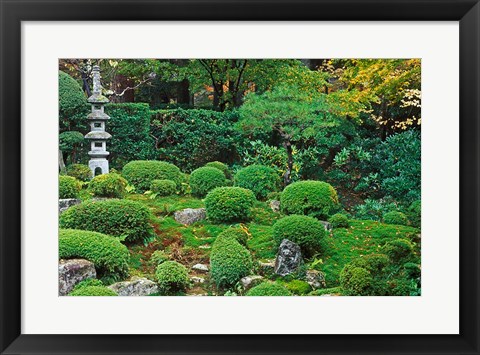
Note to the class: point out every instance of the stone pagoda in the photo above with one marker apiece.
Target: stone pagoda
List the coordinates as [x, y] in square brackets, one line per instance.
[97, 136]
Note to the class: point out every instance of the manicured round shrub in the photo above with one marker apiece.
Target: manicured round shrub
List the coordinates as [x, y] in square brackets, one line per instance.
[119, 218]
[229, 262]
[203, 180]
[109, 256]
[163, 187]
[229, 204]
[80, 172]
[398, 250]
[306, 231]
[171, 277]
[108, 185]
[261, 179]
[395, 217]
[298, 287]
[269, 289]
[312, 198]
[68, 187]
[93, 291]
[141, 173]
[70, 95]
[414, 213]
[339, 220]
[356, 281]
[220, 166]
[375, 263]
[237, 234]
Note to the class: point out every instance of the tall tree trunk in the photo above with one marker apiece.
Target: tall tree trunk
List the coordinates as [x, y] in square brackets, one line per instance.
[61, 163]
[287, 177]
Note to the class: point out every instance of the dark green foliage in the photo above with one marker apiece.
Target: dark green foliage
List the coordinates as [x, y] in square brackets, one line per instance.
[326, 291]
[398, 250]
[205, 179]
[69, 187]
[79, 171]
[395, 217]
[339, 220]
[108, 185]
[312, 198]
[236, 233]
[220, 166]
[93, 291]
[141, 173]
[120, 218]
[229, 204]
[412, 270]
[171, 277]
[260, 179]
[192, 138]
[298, 287]
[109, 256]
[414, 213]
[129, 125]
[306, 231]
[356, 281]
[229, 262]
[158, 257]
[72, 102]
[374, 209]
[269, 289]
[163, 187]
[71, 144]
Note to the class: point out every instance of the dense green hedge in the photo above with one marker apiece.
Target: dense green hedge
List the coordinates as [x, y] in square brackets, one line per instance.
[261, 179]
[120, 218]
[205, 179]
[108, 185]
[269, 289]
[312, 198]
[171, 277]
[69, 187]
[141, 173]
[229, 204]
[109, 256]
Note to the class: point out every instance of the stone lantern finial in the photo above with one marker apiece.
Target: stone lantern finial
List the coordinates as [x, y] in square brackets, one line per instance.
[97, 87]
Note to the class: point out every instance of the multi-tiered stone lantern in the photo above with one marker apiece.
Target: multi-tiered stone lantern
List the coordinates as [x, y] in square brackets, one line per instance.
[97, 136]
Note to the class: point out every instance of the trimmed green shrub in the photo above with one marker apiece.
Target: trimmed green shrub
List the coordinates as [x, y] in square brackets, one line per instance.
[163, 187]
[80, 172]
[326, 291]
[93, 291]
[356, 281]
[312, 198]
[203, 180]
[158, 257]
[119, 218]
[269, 289]
[108, 185]
[220, 166]
[260, 179]
[298, 287]
[109, 256]
[171, 277]
[398, 250]
[235, 233]
[375, 263]
[141, 173]
[229, 204]
[395, 217]
[229, 262]
[414, 213]
[306, 231]
[339, 220]
[71, 102]
[69, 187]
[88, 282]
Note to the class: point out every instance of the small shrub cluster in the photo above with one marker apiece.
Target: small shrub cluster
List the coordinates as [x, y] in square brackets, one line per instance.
[141, 173]
[163, 187]
[69, 187]
[306, 231]
[339, 220]
[395, 217]
[80, 172]
[108, 185]
[260, 179]
[109, 256]
[312, 198]
[269, 289]
[93, 291]
[203, 180]
[229, 204]
[171, 277]
[222, 167]
[237, 234]
[298, 287]
[398, 250]
[158, 257]
[357, 281]
[120, 218]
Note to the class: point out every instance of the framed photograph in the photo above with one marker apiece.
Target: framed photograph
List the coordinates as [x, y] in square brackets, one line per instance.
[239, 177]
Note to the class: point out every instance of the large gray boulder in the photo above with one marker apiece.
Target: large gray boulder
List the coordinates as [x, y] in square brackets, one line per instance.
[289, 258]
[73, 271]
[190, 215]
[137, 286]
[65, 203]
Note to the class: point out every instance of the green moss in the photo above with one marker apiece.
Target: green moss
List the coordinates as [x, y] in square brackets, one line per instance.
[93, 291]
[298, 287]
[269, 289]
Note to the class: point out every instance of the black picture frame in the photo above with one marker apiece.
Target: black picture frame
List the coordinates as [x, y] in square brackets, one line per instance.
[467, 12]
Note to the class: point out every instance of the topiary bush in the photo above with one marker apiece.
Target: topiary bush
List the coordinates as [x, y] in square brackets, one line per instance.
[68, 187]
[203, 180]
[260, 179]
[171, 277]
[71, 101]
[298, 287]
[80, 172]
[93, 291]
[108, 185]
[109, 256]
[306, 231]
[269, 289]
[312, 198]
[356, 281]
[414, 213]
[163, 187]
[118, 218]
[398, 250]
[229, 262]
[229, 204]
[395, 217]
[141, 173]
[339, 220]
[220, 166]
[237, 234]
